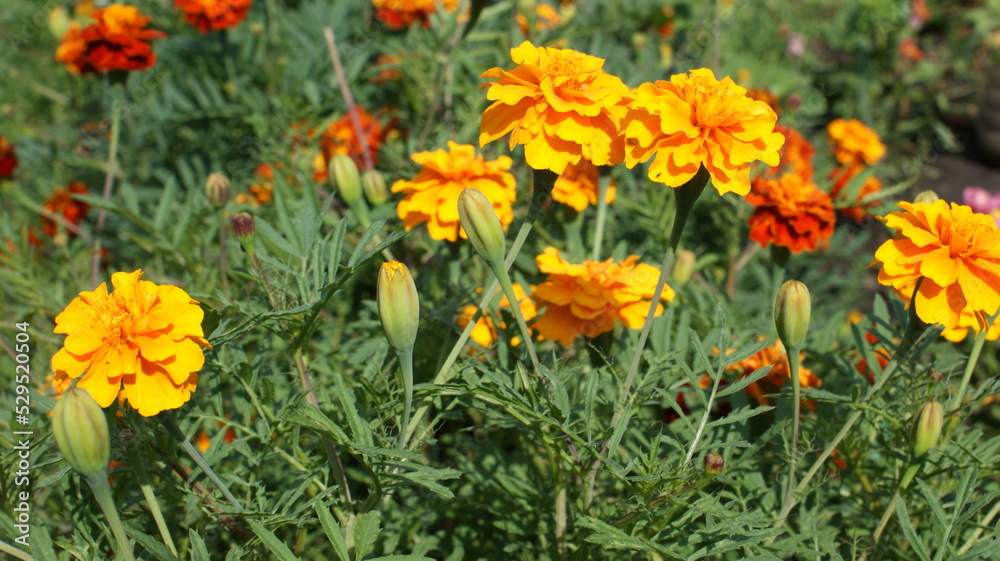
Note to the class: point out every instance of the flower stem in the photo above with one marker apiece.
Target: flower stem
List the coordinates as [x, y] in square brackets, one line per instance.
[171, 425]
[102, 491]
[223, 267]
[352, 110]
[406, 365]
[970, 366]
[602, 215]
[117, 101]
[515, 306]
[793, 373]
[14, 552]
[135, 459]
[911, 471]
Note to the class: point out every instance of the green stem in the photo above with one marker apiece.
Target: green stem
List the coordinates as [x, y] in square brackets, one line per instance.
[970, 366]
[406, 365]
[171, 426]
[333, 455]
[223, 267]
[793, 373]
[117, 101]
[911, 471]
[515, 306]
[15, 552]
[102, 491]
[135, 459]
[602, 215]
[914, 326]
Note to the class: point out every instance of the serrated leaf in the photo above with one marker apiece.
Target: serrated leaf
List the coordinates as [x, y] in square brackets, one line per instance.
[903, 516]
[332, 530]
[739, 415]
[150, 544]
[336, 246]
[743, 382]
[402, 558]
[271, 542]
[275, 242]
[199, 551]
[360, 431]
[41, 544]
[360, 256]
[367, 527]
[311, 418]
[611, 537]
[560, 399]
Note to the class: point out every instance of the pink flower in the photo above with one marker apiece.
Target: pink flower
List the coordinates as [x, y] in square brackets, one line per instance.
[982, 202]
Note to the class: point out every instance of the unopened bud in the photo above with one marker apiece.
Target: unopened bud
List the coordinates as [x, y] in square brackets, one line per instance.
[81, 432]
[373, 183]
[217, 189]
[791, 314]
[481, 225]
[927, 196]
[714, 463]
[683, 267]
[243, 230]
[927, 427]
[398, 306]
[346, 178]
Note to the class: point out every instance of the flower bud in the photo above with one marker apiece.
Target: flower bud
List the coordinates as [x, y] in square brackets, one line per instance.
[791, 314]
[683, 267]
[927, 196]
[479, 219]
[217, 189]
[81, 432]
[345, 177]
[373, 183]
[243, 230]
[714, 463]
[398, 306]
[927, 427]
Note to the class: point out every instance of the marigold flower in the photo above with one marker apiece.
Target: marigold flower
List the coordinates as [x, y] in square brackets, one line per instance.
[400, 14]
[586, 299]
[854, 143]
[341, 138]
[967, 320]
[60, 202]
[909, 50]
[796, 156]
[262, 191]
[117, 41]
[210, 15]
[142, 338]
[484, 333]
[203, 441]
[388, 69]
[432, 196]
[577, 186]
[760, 94]
[791, 212]
[955, 250]
[695, 120]
[546, 18]
[8, 160]
[774, 356]
[559, 104]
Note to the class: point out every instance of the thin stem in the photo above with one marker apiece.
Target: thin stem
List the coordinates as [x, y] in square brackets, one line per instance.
[406, 365]
[793, 373]
[716, 34]
[117, 102]
[704, 418]
[602, 215]
[515, 306]
[352, 110]
[267, 285]
[223, 267]
[970, 366]
[172, 427]
[15, 552]
[102, 491]
[986, 522]
[911, 471]
[135, 459]
[332, 454]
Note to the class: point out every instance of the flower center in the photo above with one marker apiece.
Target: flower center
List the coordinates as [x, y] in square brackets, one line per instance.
[565, 65]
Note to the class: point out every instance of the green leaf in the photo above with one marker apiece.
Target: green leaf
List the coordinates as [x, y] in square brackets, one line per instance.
[166, 205]
[199, 551]
[150, 544]
[360, 256]
[275, 242]
[41, 544]
[739, 415]
[271, 542]
[743, 382]
[611, 537]
[367, 527]
[903, 516]
[360, 431]
[332, 530]
[402, 558]
[311, 418]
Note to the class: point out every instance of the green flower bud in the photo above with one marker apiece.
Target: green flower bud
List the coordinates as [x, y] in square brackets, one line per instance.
[345, 177]
[243, 230]
[217, 189]
[81, 432]
[374, 186]
[714, 463]
[683, 267]
[791, 314]
[481, 225]
[398, 306]
[927, 427]
[927, 196]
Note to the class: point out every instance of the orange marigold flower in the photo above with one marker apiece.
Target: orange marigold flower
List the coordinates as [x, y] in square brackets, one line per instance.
[484, 333]
[791, 212]
[760, 94]
[388, 69]
[577, 186]
[559, 104]
[796, 156]
[909, 50]
[8, 160]
[203, 441]
[695, 120]
[60, 202]
[586, 299]
[58, 382]
[118, 41]
[341, 138]
[956, 251]
[142, 339]
[774, 356]
[546, 18]
[262, 191]
[432, 196]
[854, 143]
[210, 15]
[400, 14]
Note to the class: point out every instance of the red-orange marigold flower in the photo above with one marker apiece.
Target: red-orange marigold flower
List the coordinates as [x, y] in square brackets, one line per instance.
[210, 15]
[60, 202]
[341, 138]
[956, 251]
[695, 120]
[8, 160]
[432, 196]
[854, 143]
[577, 186]
[559, 104]
[400, 14]
[586, 299]
[117, 41]
[774, 356]
[791, 212]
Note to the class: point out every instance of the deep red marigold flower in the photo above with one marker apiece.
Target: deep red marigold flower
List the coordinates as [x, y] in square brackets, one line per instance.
[117, 41]
[400, 14]
[210, 15]
[8, 160]
[62, 203]
[791, 212]
[340, 138]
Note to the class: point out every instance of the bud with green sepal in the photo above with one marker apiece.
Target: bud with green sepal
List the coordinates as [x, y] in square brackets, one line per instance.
[399, 312]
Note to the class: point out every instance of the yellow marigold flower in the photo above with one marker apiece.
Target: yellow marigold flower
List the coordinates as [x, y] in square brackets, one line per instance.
[559, 104]
[432, 196]
[587, 298]
[966, 320]
[853, 142]
[577, 186]
[956, 251]
[695, 120]
[142, 338]
[484, 333]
